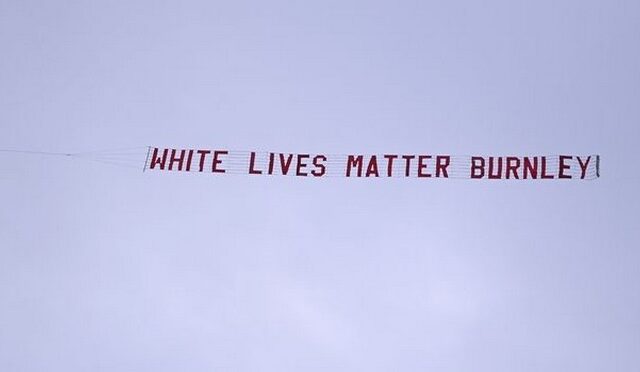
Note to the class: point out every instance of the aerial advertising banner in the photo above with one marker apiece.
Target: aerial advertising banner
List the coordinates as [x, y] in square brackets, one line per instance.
[387, 165]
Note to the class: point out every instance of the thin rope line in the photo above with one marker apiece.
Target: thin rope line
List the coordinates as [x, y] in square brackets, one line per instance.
[38, 152]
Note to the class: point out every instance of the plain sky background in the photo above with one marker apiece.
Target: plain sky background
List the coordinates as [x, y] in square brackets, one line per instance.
[105, 268]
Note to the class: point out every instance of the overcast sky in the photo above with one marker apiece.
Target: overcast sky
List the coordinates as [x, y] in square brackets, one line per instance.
[107, 268]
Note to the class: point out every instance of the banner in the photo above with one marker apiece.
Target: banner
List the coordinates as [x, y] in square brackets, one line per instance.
[387, 165]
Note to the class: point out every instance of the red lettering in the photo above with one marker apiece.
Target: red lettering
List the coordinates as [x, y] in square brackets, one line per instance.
[475, 166]
[564, 167]
[498, 174]
[301, 165]
[318, 163]
[372, 168]
[513, 164]
[407, 169]
[422, 166]
[543, 165]
[203, 154]
[189, 158]
[390, 159]
[252, 164]
[160, 161]
[442, 162]
[216, 161]
[271, 161]
[175, 159]
[354, 161]
[529, 168]
[285, 164]
[583, 166]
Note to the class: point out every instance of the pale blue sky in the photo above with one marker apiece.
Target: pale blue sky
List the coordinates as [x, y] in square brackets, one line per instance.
[105, 268]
